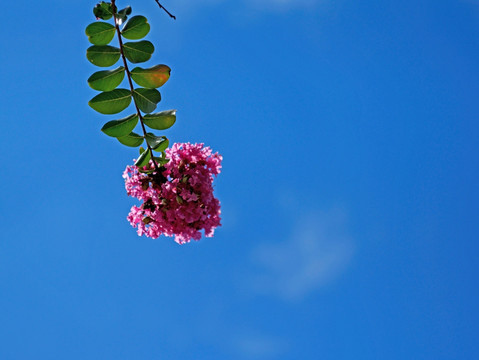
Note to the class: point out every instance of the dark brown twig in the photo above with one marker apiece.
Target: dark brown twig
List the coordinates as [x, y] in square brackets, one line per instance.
[162, 7]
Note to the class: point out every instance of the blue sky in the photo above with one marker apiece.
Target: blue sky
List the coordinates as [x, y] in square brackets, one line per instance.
[349, 186]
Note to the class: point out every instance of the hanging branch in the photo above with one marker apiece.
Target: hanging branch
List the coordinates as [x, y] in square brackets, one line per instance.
[176, 187]
[130, 82]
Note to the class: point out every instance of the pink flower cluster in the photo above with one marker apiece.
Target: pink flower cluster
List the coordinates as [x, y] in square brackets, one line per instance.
[178, 202]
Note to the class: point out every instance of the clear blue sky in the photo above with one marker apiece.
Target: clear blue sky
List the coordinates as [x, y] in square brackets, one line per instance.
[349, 131]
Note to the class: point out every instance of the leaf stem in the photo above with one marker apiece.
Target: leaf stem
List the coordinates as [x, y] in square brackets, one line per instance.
[132, 88]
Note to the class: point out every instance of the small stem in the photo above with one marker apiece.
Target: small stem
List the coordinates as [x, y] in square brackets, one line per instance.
[132, 88]
[162, 7]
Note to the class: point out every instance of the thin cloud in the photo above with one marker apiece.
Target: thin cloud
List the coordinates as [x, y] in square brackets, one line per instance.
[317, 252]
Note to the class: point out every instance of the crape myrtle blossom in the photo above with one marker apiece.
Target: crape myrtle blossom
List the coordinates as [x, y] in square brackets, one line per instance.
[179, 200]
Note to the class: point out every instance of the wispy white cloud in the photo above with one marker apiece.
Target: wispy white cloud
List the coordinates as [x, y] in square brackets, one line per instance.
[318, 250]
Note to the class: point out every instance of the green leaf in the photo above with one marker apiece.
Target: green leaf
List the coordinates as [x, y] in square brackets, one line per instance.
[122, 127]
[160, 120]
[103, 11]
[111, 102]
[146, 99]
[163, 146]
[162, 161]
[136, 28]
[122, 15]
[126, 11]
[100, 33]
[132, 140]
[146, 171]
[138, 52]
[153, 77]
[162, 158]
[144, 158]
[103, 55]
[157, 143]
[107, 80]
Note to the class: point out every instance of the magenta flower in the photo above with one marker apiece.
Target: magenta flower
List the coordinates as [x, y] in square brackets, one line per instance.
[180, 201]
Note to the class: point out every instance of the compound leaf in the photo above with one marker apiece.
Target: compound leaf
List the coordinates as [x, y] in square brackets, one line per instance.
[144, 158]
[153, 77]
[146, 99]
[103, 55]
[103, 10]
[160, 120]
[132, 140]
[122, 15]
[100, 33]
[136, 28]
[157, 143]
[122, 127]
[111, 102]
[138, 52]
[107, 80]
